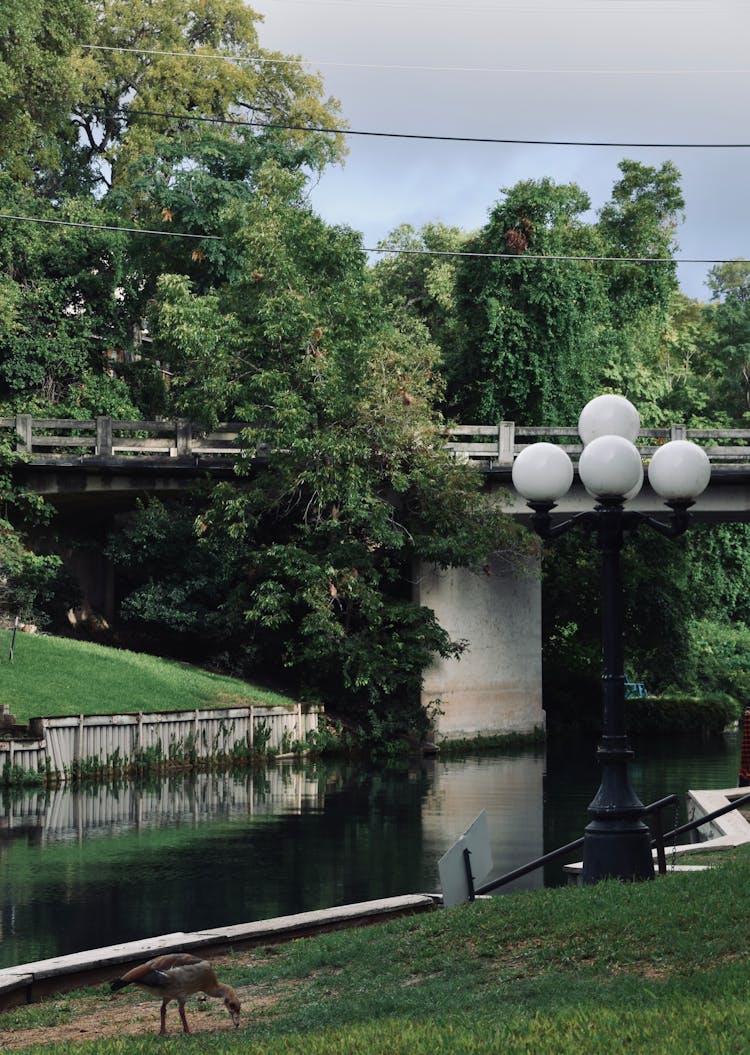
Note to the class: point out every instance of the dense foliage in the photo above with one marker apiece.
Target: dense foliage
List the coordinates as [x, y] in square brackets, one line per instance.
[236, 301]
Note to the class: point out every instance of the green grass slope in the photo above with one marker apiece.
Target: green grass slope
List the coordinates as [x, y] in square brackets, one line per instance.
[54, 676]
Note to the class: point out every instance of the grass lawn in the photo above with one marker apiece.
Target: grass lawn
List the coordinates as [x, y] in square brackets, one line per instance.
[55, 676]
[653, 968]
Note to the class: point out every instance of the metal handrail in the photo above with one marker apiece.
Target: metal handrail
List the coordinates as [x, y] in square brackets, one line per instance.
[691, 825]
[658, 841]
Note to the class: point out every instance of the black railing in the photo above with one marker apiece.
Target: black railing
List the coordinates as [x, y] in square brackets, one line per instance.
[659, 842]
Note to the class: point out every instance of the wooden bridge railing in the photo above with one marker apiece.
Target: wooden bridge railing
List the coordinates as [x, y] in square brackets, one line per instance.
[53, 439]
[106, 437]
[497, 445]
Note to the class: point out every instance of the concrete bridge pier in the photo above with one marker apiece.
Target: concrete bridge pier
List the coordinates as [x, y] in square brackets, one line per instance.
[496, 685]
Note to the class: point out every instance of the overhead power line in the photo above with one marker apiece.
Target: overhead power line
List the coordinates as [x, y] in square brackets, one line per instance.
[536, 71]
[552, 257]
[109, 227]
[508, 141]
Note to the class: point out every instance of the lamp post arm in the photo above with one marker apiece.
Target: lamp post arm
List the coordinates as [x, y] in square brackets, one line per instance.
[542, 521]
[677, 526]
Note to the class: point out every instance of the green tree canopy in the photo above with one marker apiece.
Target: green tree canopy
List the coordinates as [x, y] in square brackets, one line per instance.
[530, 346]
[38, 82]
[160, 69]
[281, 325]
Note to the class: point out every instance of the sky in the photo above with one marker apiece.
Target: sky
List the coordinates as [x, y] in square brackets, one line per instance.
[616, 71]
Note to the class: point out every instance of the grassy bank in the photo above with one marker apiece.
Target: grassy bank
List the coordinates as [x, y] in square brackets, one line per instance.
[658, 967]
[55, 676]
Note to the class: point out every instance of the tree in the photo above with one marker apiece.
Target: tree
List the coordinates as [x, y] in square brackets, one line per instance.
[533, 342]
[62, 291]
[419, 280]
[144, 124]
[161, 69]
[730, 279]
[317, 549]
[37, 80]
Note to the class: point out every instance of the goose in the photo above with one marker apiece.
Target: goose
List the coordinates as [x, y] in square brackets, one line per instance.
[176, 976]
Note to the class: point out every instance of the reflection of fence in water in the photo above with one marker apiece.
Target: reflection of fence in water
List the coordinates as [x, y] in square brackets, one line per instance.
[72, 812]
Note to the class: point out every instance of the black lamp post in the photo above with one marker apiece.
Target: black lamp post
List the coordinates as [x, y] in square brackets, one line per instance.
[617, 843]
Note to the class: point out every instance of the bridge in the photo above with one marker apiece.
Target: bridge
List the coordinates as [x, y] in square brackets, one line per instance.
[92, 469]
[101, 458]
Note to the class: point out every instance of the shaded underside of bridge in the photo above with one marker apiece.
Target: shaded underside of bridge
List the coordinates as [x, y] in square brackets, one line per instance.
[90, 484]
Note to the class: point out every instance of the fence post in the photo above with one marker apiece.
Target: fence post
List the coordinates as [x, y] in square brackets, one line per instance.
[506, 442]
[23, 430]
[184, 433]
[678, 432]
[78, 740]
[104, 437]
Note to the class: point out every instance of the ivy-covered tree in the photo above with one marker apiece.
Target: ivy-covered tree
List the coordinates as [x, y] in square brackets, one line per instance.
[533, 343]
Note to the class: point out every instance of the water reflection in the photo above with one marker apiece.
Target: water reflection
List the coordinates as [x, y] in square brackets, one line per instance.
[85, 868]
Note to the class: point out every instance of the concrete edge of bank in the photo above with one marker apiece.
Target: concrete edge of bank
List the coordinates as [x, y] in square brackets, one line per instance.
[30, 982]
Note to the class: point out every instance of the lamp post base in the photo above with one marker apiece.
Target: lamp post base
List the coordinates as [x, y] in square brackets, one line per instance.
[617, 849]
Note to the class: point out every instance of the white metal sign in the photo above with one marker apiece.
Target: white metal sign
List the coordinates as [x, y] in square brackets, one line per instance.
[453, 867]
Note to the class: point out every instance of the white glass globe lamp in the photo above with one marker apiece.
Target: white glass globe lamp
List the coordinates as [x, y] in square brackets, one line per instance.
[610, 467]
[542, 472]
[680, 470]
[609, 415]
[634, 490]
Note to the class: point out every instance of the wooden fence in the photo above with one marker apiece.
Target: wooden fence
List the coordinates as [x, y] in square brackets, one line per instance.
[60, 439]
[67, 747]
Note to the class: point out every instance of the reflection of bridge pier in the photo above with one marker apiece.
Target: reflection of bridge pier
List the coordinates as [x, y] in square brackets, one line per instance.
[510, 789]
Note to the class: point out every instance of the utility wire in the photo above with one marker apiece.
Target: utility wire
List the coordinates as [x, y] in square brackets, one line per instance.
[396, 250]
[534, 71]
[554, 257]
[108, 227]
[278, 125]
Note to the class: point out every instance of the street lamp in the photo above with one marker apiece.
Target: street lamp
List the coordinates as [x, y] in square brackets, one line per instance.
[616, 841]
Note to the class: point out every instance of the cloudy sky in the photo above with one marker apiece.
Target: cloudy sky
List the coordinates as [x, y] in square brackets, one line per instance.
[616, 71]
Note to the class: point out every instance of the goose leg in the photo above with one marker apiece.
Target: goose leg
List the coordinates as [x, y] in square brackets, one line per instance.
[163, 1029]
[185, 1026]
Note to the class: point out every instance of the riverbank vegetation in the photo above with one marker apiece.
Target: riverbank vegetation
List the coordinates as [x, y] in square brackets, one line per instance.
[240, 303]
[655, 967]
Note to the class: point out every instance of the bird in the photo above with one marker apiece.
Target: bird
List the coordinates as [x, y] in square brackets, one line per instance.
[176, 976]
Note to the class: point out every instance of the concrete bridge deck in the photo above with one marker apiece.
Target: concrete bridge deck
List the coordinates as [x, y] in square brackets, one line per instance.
[102, 459]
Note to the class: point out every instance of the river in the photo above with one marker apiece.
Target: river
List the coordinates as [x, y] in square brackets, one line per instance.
[90, 867]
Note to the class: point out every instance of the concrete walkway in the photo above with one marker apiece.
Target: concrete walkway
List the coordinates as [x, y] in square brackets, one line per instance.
[31, 981]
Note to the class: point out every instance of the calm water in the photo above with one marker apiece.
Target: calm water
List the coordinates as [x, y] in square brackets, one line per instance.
[81, 869]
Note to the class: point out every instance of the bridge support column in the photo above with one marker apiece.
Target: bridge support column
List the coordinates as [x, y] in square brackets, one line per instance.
[496, 685]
